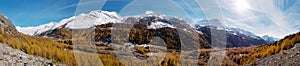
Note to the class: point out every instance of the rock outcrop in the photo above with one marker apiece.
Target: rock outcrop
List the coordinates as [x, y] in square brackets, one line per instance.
[12, 57]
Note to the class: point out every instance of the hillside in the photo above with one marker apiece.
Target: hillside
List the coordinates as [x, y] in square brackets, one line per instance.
[12, 56]
[249, 55]
[282, 52]
[33, 45]
[288, 58]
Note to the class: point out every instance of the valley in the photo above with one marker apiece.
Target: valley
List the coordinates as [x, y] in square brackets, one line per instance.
[147, 39]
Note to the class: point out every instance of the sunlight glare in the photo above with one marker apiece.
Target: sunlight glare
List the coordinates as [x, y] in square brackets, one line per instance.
[241, 5]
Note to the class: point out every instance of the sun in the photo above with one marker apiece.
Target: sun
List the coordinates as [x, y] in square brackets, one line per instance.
[241, 5]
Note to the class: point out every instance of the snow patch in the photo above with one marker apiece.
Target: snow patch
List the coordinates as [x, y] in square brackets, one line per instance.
[157, 25]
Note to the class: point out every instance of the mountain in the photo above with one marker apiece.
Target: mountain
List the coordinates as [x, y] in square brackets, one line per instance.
[288, 58]
[10, 55]
[19, 48]
[141, 30]
[37, 29]
[235, 37]
[174, 31]
[269, 38]
[275, 53]
[103, 20]
[76, 22]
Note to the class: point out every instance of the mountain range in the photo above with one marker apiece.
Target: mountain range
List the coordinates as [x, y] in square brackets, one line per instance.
[62, 30]
[270, 38]
[54, 40]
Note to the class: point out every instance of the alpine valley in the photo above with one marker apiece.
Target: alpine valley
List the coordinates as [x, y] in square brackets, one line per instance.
[157, 38]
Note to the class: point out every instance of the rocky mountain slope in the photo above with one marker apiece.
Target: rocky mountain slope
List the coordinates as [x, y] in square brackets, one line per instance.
[17, 48]
[63, 29]
[155, 25]
[10, 56]
[6, 25]
[235, 37]
[289, 58]
[267, 54]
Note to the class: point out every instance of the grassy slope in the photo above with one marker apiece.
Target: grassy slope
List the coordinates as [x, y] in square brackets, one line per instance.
[58, 52]
[251, 53]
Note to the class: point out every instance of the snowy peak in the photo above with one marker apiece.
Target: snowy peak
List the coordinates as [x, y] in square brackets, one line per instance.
[154, 20]
[81, 21]
[269, 38]
[93, 18]
[37, 29]
[236, 37]
[215, 23]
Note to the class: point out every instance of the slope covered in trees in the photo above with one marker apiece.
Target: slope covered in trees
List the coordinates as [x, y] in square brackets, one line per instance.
[250, 54]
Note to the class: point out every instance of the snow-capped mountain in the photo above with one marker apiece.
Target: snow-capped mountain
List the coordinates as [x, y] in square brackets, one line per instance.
[218, 25]
[269, 38]
[37, 29]
[143, 26]
[91, 19]
[158, 20]
[101, 20]
[235, 37]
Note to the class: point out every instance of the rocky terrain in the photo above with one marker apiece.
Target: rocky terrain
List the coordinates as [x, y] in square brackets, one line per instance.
[289, 58]
[15, 50]
[12, 57]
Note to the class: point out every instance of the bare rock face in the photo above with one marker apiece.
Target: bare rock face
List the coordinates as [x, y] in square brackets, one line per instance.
[6, 25]
[12, 57]
[4, 22]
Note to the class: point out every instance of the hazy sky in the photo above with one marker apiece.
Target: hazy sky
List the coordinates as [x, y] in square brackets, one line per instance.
[263, 17]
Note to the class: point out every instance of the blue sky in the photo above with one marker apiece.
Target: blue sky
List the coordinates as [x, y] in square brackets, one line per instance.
[36, 12]
[276, 18]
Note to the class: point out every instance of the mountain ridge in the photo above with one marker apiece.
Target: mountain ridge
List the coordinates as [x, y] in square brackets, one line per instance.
[231, 32]
[96, 17]
[235, 37]
[269, 39]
